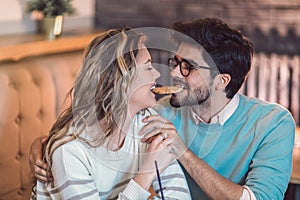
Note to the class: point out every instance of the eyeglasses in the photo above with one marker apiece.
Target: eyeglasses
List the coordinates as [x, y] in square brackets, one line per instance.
[185, 66]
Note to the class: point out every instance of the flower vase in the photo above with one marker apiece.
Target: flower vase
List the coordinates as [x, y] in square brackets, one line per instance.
[52, 26]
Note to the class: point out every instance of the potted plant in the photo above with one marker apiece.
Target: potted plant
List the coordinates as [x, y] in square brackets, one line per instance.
[52, 14]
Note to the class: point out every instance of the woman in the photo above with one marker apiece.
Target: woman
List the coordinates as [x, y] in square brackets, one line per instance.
[94, 149]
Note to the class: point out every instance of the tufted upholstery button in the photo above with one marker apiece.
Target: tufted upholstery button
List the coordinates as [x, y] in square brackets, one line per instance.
[40, 114]
[18, 156]
[21, 191]
[74, 73]
[18, 119]
[35, 82]
[12, 85]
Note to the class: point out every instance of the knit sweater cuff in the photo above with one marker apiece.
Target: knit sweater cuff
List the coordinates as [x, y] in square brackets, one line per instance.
[134, 191]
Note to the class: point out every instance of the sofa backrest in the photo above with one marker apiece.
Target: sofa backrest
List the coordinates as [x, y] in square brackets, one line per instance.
[32, 92]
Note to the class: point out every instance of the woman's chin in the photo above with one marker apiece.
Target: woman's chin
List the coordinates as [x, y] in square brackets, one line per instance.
[150, 103]
[138, 106]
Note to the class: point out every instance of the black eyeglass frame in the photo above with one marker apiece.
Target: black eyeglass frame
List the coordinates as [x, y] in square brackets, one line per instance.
[187, 68]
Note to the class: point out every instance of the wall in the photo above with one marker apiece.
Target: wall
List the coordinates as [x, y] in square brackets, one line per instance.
[273, 25]
[14, 19]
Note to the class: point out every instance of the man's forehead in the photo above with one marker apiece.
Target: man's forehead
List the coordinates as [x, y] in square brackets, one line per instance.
[194, 52]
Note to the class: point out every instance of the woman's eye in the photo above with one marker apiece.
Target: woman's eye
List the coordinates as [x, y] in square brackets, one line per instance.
[149, 67]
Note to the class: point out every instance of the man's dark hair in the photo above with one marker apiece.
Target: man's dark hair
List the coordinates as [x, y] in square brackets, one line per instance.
[230, 50]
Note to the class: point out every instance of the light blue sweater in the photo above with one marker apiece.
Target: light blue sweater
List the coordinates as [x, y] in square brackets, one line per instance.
[253, 147]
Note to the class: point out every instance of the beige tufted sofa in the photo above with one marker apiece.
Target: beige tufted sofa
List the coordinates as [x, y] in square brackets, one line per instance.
[32, 92]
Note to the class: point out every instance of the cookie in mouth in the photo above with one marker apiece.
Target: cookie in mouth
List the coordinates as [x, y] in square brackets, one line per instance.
[166, 89]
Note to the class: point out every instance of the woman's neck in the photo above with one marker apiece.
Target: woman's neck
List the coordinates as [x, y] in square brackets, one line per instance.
[116, 139]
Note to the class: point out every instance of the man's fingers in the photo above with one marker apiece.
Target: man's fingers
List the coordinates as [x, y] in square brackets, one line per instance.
[154, 117]
[41, 164]
[43, 179]
[165, 132]
[156, 142]
[155, 125]
[153, 120]
[150, 135]
[44, 139]
[41, 174]
[39, 171]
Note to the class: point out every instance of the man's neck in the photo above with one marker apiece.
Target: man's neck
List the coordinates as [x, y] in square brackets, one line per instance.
[211, 107]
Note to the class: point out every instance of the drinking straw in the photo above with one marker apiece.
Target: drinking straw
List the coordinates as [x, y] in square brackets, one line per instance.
[159, 181]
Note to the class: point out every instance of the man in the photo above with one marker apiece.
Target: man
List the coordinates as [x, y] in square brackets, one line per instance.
[238, 147]
[231, 146]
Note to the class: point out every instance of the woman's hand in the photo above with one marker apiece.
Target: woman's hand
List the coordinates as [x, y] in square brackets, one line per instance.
[164, 147]
[157, 151]
[160, 127]
[37, 165]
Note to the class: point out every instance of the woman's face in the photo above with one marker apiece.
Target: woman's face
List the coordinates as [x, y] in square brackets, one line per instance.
[140, 89]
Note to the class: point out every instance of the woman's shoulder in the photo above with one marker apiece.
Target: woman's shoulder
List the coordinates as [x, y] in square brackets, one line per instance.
[69, 149]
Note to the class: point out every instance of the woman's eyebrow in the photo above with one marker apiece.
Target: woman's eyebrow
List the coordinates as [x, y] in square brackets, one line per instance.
[148, 61]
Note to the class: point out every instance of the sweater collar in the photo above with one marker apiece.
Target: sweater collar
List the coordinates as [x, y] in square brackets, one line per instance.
[222, 116]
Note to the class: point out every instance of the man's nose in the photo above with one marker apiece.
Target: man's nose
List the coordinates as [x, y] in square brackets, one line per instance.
[175, 72]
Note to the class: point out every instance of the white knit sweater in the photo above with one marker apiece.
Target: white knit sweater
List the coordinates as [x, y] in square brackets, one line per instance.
[83, 172]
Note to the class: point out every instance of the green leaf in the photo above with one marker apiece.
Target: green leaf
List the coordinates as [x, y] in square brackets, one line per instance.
[51, 7]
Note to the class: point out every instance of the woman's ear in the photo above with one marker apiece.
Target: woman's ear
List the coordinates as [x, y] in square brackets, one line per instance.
[222, 80]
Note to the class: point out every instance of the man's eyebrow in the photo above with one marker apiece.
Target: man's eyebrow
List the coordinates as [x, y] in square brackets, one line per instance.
[190, 61]
[185, 60]
[176, 57]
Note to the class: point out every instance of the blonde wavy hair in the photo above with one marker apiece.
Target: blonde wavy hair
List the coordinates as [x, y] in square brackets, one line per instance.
[99, 92]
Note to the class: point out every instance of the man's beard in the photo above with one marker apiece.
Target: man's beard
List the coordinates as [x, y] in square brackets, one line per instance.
[195, 97]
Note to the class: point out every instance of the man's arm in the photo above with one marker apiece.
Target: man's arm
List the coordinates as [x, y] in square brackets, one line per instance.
[213, 184]
[36, 163]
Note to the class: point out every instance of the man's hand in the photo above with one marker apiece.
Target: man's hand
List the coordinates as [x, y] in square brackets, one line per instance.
[37, 165]
[159, 127]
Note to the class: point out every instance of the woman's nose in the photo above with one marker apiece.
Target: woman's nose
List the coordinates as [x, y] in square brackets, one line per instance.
[156, 73]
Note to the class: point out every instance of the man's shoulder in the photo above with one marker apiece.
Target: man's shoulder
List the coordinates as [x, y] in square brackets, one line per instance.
[265, 109]
[262, 105]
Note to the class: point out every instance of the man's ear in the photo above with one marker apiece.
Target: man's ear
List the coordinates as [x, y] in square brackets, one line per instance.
[221, 81]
